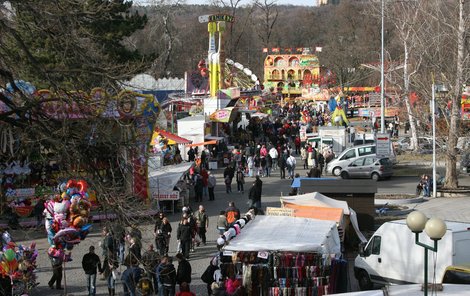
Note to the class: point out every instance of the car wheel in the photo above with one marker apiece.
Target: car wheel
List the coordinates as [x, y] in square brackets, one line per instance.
[364, 281]
[375, 176]
[336, 171]
[344, 175]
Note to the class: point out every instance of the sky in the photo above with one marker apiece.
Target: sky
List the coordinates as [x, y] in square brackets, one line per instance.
[279, 2]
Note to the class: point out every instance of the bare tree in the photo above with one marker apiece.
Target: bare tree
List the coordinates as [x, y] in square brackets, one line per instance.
[269, 15]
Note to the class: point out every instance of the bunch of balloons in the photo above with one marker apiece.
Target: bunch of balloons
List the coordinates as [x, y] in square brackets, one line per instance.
[18, 263]
[68, 218]
[235, 228]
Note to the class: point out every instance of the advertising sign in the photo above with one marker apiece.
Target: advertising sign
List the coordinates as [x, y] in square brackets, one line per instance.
[271, 211]
[175, 195]
[382, 148]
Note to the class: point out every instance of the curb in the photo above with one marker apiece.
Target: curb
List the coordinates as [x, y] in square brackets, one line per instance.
[382, 201]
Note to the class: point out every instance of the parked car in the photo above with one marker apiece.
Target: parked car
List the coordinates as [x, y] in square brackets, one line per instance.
[370, 166]
[335, 166]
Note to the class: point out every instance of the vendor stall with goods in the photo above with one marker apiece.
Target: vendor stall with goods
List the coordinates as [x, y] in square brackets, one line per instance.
[276, 255]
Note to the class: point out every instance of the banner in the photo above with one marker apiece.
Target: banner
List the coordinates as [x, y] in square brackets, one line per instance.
[175, 195]
[271, 211]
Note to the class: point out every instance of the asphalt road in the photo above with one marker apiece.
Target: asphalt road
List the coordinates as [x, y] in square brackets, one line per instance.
[273, 187]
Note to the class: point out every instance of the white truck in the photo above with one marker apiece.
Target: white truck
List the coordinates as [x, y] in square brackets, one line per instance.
[391, 256]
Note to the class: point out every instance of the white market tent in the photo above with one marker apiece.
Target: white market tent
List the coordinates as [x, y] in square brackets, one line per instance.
[280, 233]
[316, 199]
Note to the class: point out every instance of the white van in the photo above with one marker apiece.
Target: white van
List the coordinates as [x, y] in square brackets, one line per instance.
[392, 256]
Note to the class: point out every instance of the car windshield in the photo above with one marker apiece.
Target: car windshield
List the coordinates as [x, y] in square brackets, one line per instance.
[385, 161]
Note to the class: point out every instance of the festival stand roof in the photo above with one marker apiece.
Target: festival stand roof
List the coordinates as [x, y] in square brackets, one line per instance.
[172, 138]
[278, 233]
[211, 142]
[315, 199]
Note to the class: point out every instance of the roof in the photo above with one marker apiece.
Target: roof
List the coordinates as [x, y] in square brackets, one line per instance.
[193, 118]
[278, 233]
[316, 199]
[172, 138]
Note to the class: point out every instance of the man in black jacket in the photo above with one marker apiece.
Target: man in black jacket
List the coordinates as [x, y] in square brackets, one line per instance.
[184, 236]
[90, 263]
[167, 276]
[183, 274]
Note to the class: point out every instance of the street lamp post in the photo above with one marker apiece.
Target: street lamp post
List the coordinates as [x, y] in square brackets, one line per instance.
[382, 79]
[435, 228]
[433, 110]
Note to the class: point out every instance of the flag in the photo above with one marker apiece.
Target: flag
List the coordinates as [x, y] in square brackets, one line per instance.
[289, 50]
[275, 49]
[299, 49]
[318, 49]
[265, 49]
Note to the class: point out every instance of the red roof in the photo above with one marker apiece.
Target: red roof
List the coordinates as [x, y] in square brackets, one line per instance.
[173, 137]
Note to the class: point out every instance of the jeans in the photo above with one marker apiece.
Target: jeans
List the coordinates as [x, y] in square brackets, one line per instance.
[111, 281]
[122, 249]
[169, 290]
[250, 172]
[256, 204]
[268, 171]
[205, 191]
[240, 186]
[91, 284]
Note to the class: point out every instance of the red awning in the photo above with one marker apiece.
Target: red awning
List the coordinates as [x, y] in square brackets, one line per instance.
[173, 137]
[211, 142]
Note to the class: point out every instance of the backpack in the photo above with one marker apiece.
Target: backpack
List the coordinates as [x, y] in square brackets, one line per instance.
[231, 217]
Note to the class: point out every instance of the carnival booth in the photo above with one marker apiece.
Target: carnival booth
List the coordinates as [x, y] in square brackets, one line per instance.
[318, 206]
[275, 255]
[166, 186]
[165, 143]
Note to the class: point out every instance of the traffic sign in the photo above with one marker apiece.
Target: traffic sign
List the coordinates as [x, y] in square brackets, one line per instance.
[382, 142]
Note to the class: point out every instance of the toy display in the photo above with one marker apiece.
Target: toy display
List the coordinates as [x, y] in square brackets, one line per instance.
[18, 265]
[67, 218]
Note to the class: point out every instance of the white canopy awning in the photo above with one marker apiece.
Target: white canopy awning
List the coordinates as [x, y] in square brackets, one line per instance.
[162, 179]
[279, 233]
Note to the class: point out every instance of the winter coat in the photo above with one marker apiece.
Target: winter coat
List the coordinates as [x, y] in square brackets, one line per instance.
[90, 263]
[184, 232]
[256, 190]
[183, 273]
[167, 274]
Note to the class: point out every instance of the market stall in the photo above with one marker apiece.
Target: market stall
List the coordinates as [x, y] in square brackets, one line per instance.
[165, 184]
[275, 255]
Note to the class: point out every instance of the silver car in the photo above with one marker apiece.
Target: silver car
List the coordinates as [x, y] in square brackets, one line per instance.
[371, 166]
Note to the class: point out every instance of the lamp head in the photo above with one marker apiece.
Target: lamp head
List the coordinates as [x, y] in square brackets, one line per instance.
[435, 228]
[416, 221]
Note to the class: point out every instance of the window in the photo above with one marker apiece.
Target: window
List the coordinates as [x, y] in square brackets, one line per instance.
[373, 248]
[366, 150]
[385, 161]
[376, 245]
[369, 161]
[357, 162]
[350, 154]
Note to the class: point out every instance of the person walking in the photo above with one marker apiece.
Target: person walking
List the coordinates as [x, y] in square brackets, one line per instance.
[274, 155]
[166, 273]
[269, 165]
[110, 262]
[184, 236]
[202, 222]
[255, 193]
[205, 182]
[303, 157]
[211, 182]
[250, 163]
[150, 260]
[90, 264]
[282, 165]
[56, 278]
[198, 186]
[228, 184]
[290, 163]
[183, 274]
[191, 155]
[240, 177]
